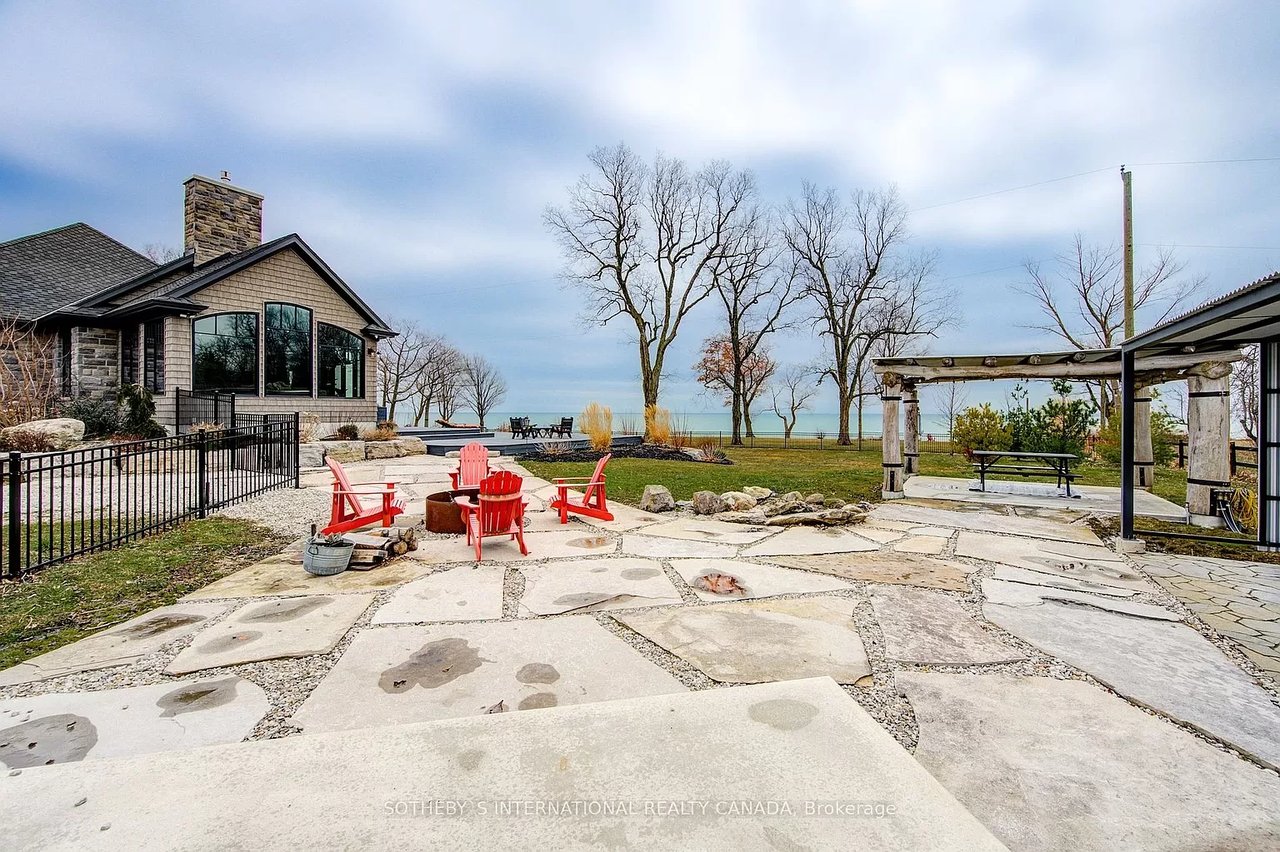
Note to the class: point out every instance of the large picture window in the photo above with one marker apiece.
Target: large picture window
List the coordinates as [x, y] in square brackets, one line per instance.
[287, 349]
[153, 355]
[341, 360]
[226, 353]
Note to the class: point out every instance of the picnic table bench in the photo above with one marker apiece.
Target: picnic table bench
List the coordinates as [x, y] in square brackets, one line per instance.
[1057, 465]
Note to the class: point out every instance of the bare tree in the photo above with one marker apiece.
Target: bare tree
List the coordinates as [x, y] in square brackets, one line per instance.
[160, 253]
[1244, 392]
[400, 363]
[791, 392]
[1082, 300]
[639, 243]
[952, 399]
[863, 287]
[439, 378]
[29, 377]
[482, 386]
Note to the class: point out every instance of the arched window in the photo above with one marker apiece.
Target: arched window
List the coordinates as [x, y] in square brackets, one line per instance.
[225, 356]
[341, 362]
[286, 363]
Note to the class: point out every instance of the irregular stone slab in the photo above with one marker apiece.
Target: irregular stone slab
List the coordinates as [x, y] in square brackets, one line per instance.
[589, 585]
[693, 529]
[748, 580]
[880, 534]
[801, 540]
[929, 545]
[757, 641]
[396, 675]
[880, 567]
[542, 545]
[1060, 581]
[932, 628]
[806, 740]
[1022, 594]
[117, 646]
[668, 548]
[67, 727]
[984, 522]
[1165, 666]
[465, 593]
[270, 630]
[1079, 562]
[284, 575]
[1051, 764]
[624, 518]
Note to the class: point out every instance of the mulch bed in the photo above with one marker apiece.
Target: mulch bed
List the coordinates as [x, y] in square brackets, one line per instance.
[637, 451]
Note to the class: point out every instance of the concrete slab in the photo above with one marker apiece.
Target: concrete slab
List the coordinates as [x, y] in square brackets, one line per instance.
[396, 675]
[932, 628]
[590, 585]
[795, 541]
[877, 567]
[1039, 495]
[280, 576]
[719, 532]
[758, 641]
[983, 521]
[464, 593]
[1060, 581]
[1050, 764]
[564, 542]
[729, 579]
[1023, 594]
[670, 548]
[1165, 666]
[1062, 559]
[669, 767]
[117, 646]
[45, 730]
[928, 545]
[270, 630]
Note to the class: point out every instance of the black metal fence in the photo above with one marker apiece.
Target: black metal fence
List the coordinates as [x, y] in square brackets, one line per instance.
[192, 407]
[929, 442]
[60, 505]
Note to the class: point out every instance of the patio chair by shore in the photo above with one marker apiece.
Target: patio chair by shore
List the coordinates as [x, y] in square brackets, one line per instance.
[498, 511]
[348, 513]
[473, 466]
[593, 503]
[565, 429]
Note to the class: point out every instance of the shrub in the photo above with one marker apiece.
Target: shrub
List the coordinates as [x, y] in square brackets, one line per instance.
[308, 427]
[1061, 425]
[1163, 439]
[657, 424]
[140, 411]
[552, 449]
[597, 425]
[380, 433]
[100, 415]
[389, 426]
[710, 452]
[23, 441]
[347, 432]
[981, 427]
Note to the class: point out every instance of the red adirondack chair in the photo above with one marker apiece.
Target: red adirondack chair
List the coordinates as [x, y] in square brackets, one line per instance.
[499, 510]
[473, 466]
[349, 513]
[593, 497]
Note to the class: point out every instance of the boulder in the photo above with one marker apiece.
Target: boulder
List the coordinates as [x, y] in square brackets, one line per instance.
[815, 499]
[786, 507]
[833, 503]
[59, 432]
[757, 492]
[656, 498]
[311, 455]
[738, 501]
[411, 446]
[707, 503]
[343, 451]
[381, 450]
[755, 517]
[825, 518]
[792, 497]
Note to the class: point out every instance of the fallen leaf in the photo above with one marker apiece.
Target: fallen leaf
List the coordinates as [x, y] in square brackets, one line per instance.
[720, 584]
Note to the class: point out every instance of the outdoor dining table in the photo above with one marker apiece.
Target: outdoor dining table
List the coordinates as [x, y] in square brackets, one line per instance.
[1057, 465]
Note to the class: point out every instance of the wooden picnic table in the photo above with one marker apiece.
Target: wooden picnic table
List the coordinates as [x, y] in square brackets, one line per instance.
[1057, 465]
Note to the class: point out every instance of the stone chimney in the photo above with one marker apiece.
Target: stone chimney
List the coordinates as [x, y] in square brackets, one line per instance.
[219, 217]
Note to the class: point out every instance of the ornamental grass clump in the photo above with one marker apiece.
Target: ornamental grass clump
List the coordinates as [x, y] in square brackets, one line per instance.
[597, 424]
[657, 424]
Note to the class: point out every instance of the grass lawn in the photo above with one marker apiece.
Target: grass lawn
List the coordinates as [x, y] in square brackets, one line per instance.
[848, 473]
[66, 602]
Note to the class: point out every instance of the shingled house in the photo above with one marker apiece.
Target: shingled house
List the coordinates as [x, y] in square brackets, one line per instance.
[270, 322]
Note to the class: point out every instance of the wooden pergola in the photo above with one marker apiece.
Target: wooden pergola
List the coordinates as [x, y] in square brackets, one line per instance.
[1204, 366]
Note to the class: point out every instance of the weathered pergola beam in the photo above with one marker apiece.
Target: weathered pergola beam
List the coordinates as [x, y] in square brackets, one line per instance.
[1150, 370]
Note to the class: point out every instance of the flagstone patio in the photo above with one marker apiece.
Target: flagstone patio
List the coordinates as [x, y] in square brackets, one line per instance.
[1149, 677]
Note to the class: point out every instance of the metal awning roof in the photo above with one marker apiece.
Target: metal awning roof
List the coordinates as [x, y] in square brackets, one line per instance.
[1249, 314]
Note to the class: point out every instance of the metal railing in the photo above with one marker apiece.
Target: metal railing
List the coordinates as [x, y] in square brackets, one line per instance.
[56, 506]
[192, 407]
[929, 442]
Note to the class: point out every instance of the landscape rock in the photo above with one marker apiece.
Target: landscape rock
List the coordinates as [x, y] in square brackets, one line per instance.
[657, 498]
[825, 518]
[758, 492]
[791, 497]
[381, 450]
[410, 446]
[815, 499]
[343, 451]
[707, 503]
[755, 516]
[786, 507]
[311, 455]
[835, 503]
[738, 501]
[60, 432]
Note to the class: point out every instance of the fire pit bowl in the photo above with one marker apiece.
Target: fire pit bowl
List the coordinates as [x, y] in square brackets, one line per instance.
[443, 516]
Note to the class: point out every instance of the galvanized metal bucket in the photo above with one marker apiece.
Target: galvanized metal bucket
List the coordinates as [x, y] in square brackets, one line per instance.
[324, 559]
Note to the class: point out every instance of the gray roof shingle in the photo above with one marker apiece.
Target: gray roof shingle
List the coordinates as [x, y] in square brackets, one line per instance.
[50, 270]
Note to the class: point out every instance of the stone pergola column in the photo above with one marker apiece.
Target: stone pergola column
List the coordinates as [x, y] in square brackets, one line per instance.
[1208, 439]
[891, 446]
[910, 430]
[1144, 464]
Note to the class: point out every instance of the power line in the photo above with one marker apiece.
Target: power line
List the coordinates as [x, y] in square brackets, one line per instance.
[1015, 188]
[1196, 246]
[1212, 162]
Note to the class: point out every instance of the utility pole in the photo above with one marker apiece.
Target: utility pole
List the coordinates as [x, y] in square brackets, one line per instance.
[1127, 177]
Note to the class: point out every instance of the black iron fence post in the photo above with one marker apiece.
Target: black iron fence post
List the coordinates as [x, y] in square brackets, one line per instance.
[202, 483]
[297, 450]
[15, 515]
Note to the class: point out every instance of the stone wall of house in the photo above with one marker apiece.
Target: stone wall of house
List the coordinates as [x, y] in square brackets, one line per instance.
[219, 218]
[95, 361]
[283, 277]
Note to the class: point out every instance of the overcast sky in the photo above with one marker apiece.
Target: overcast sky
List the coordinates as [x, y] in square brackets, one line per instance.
[415, 145]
